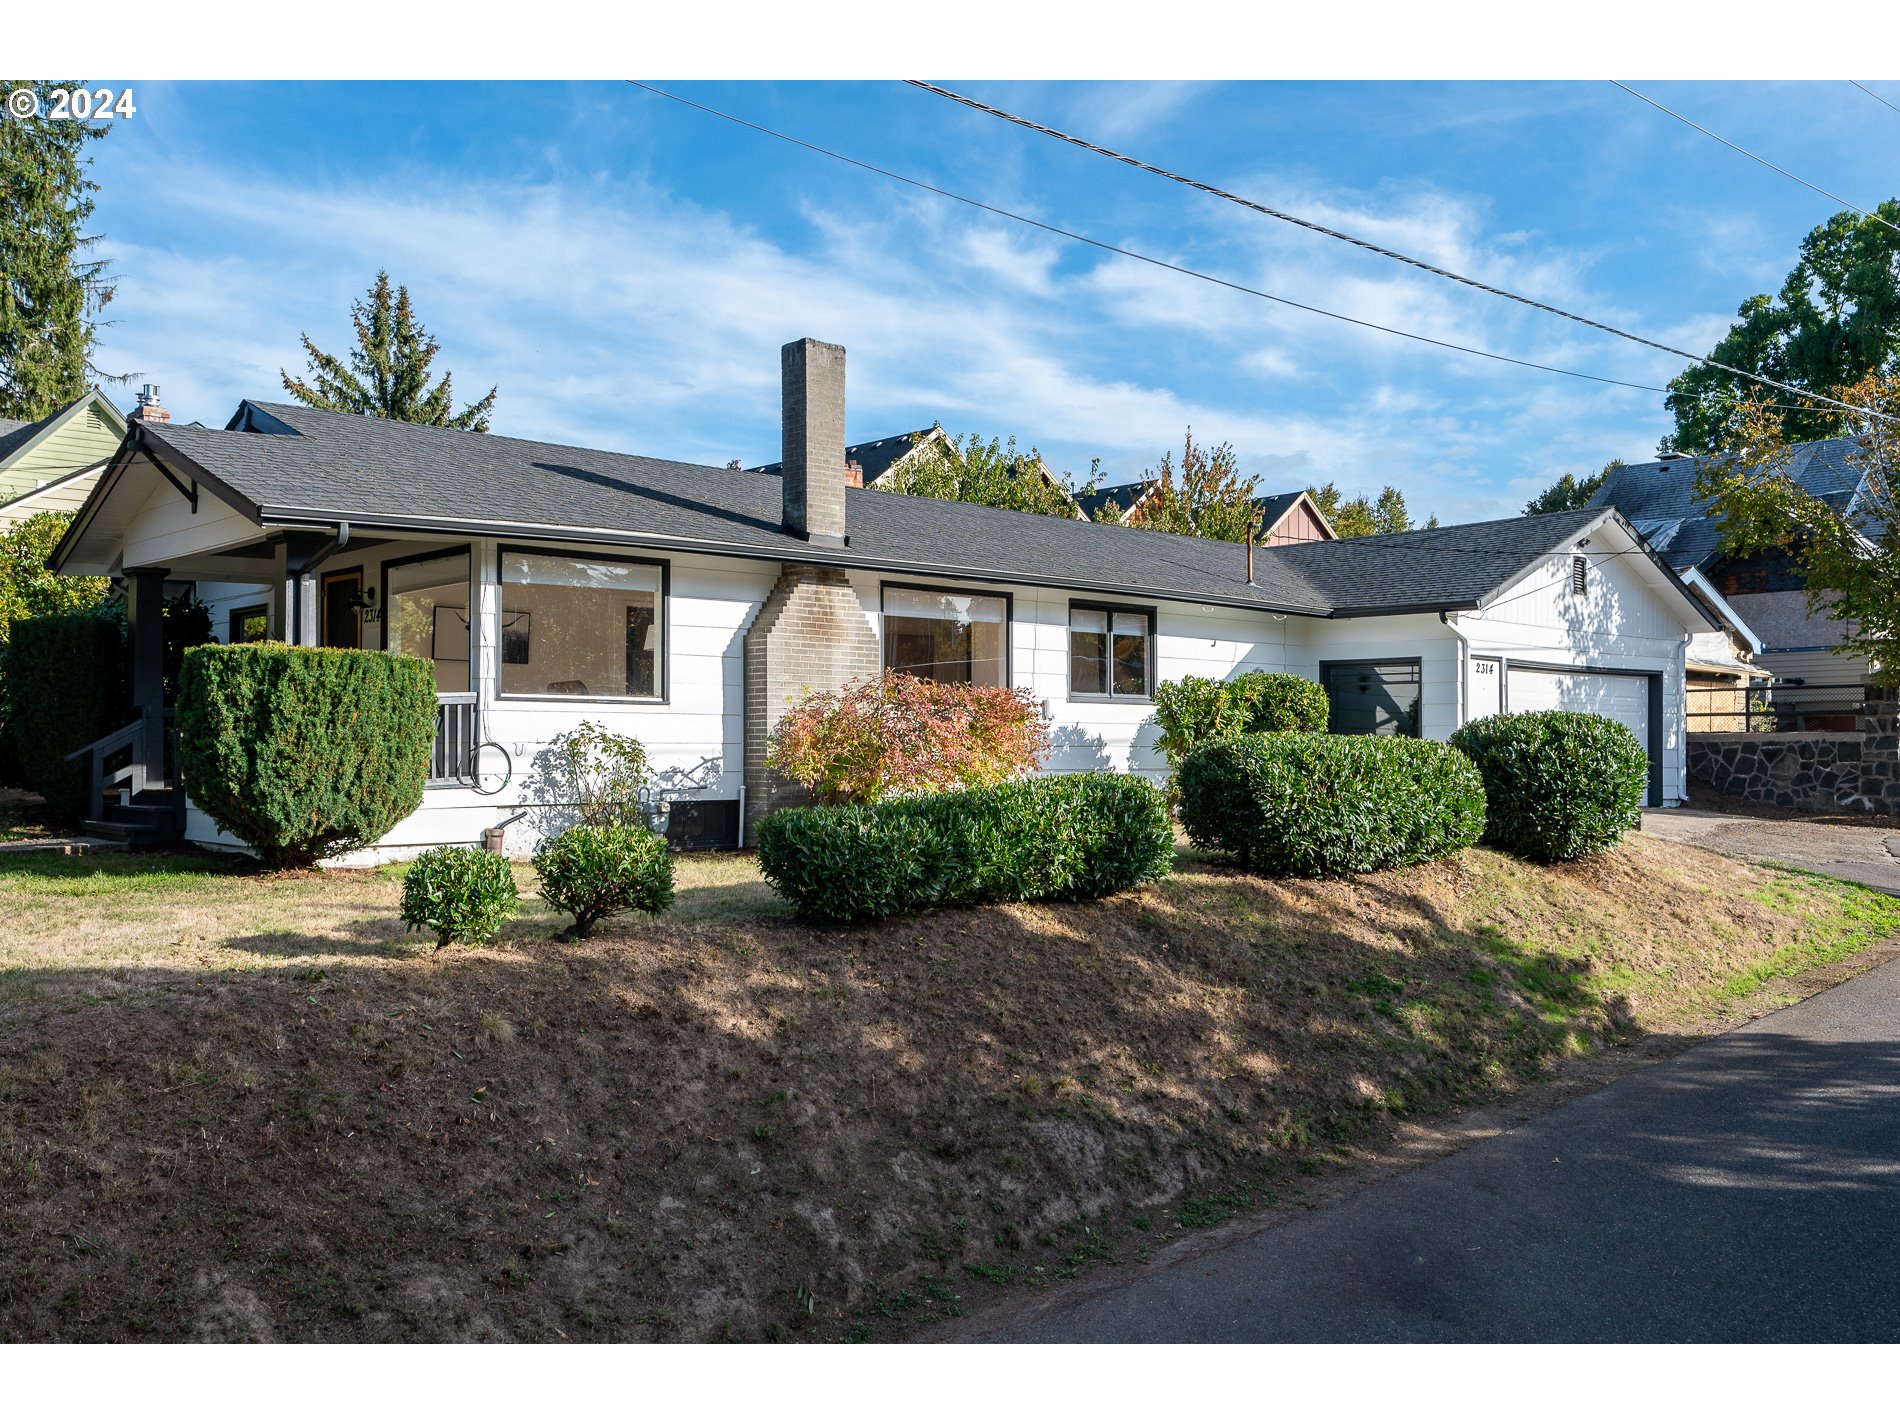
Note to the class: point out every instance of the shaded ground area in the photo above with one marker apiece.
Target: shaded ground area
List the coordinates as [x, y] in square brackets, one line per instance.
[1863, 849]
[245, 1107]
[1744, 1191]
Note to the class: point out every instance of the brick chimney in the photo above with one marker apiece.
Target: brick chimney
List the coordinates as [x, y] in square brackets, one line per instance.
[854, 474]
[148, 409]
[814, 476]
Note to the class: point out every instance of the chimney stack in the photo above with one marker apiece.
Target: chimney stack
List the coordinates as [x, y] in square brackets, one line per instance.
[814, 478]
[148, 409]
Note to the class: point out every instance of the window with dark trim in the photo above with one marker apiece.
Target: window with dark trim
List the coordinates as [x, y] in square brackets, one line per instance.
[582, 625]
[1111, 652]
[250, 624]
[1377, 698]
[947, 635]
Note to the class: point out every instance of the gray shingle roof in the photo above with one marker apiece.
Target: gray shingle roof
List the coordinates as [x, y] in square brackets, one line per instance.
[1124, 496]
[874, 457]
[1658, 497]
[14, 434]
[386, 473]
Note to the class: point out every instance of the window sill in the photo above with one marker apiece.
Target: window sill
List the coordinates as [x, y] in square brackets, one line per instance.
[1139, 700]
[607, 699]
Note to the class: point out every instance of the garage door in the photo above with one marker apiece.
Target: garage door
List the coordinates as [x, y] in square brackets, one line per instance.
[1624, 697]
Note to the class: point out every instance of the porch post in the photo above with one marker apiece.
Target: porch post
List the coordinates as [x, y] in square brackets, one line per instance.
[145, 607]
[279, 627]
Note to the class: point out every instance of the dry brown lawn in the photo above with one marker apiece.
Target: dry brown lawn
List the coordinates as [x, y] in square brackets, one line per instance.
[236, 1107]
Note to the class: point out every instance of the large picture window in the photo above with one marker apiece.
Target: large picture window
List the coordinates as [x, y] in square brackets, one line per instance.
[581, 626]
[1111, 652]
[947, 636]
[425, 614]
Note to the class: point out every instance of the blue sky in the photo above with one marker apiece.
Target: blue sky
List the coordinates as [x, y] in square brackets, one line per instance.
[625, 269]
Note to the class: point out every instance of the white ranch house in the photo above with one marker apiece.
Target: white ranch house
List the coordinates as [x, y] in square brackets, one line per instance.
[686, 605]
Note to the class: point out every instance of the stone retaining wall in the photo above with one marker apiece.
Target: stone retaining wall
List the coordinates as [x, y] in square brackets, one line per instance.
[1815, 771]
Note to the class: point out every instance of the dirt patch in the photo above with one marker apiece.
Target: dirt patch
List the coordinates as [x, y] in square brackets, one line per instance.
[273, 1115]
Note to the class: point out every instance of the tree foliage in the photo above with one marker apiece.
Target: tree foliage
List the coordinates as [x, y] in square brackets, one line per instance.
[1836, 318]
[1567, 492]
[51, 290]
[983, 472]
[388, 373]
[1206, 495]
[1848, 559]
[65, 685]
[1384, 513]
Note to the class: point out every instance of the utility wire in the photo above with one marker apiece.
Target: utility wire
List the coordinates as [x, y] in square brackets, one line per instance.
[1875, 97]
[1373, 247]
[1757, 157]
[1098, 244]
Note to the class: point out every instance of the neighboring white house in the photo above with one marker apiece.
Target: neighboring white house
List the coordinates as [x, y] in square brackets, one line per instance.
[687, 605]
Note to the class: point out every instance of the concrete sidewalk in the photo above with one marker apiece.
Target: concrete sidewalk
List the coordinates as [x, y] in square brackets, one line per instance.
[1747, 1190]
[1834, 846]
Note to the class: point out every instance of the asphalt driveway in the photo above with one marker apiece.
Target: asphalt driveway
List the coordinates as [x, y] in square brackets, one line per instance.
[1836, 846]
[1747, 1190]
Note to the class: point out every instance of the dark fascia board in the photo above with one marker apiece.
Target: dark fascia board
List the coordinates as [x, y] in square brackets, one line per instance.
[115, 467]
[843, 558]
[163, 453]
[257, 421]
[1440, 607]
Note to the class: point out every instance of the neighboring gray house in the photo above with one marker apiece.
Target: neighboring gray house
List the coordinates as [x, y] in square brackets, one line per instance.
[687, 605]
[1765, 590]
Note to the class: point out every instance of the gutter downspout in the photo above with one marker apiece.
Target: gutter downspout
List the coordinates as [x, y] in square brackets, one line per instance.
[317, 556]
[1464, 667]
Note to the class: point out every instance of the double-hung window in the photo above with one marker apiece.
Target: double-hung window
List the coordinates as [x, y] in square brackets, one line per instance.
[947, 635]
[582, 626]
[1111, 652]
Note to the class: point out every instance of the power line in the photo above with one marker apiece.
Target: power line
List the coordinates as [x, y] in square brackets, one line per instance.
[1757, 157]
[1875, 97]
[1373, 247]
[1098, 244]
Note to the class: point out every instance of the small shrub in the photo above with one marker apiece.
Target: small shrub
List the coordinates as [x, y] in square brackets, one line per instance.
[896, 734]
[460, 892]
[1192, 711]
[1560, 784]
[304, 752]
[65, 686]
[592, 872]
[600, 773]
[1312, 804]
[1070, 837]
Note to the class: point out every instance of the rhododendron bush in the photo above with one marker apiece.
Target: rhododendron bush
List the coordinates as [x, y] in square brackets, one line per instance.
[897, 734]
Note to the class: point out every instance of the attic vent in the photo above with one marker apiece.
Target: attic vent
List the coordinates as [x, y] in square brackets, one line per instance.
[1579, 573]
[92, 420]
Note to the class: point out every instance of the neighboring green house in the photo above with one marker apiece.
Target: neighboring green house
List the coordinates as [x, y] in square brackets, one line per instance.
[53, 463]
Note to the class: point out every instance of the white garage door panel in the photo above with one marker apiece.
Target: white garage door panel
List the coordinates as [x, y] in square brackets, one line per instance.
[1624, 698]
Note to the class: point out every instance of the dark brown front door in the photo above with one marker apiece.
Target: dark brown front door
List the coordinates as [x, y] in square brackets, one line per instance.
[342, 609]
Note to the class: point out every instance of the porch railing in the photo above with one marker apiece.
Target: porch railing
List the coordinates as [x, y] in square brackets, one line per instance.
[1778, 707]
[134, 775]
[455, 723]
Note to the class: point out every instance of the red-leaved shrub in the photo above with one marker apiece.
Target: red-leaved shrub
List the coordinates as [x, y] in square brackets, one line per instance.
[887, 736]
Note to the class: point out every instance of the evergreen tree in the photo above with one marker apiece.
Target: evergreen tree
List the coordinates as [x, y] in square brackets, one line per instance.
[1359, 516]
[50, 290]
[388, 373]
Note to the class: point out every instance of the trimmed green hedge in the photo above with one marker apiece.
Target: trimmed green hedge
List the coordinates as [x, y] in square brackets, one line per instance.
[67, 685]
[1313, 804]
[592, 872]
[305, 752]
[1561, 784]
[1193, 711]
[460, 892]
[1044, 838]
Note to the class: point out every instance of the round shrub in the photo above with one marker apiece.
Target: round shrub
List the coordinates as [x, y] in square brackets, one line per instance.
[1078, 837]
[1312, 804]
[304, 752]
[65, 685]
[592, 872]
[1191, 711]
[460, 892]
[1560, 784]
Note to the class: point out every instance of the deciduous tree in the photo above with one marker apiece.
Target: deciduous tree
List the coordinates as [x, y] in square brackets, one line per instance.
[1567, 492]
[1206, 496]
[982, 472]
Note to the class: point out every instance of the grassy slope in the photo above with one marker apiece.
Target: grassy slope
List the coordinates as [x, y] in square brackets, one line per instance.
[235, 1107]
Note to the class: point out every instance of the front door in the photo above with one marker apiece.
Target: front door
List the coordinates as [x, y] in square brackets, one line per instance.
[343, 609]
